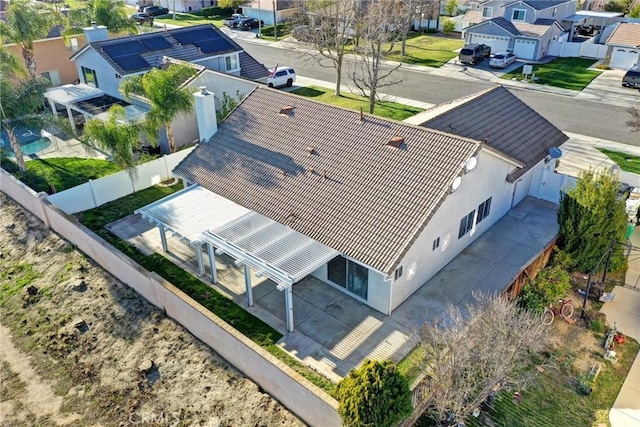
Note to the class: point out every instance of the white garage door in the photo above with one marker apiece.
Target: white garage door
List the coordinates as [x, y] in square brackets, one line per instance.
[498, 44]
[525, 49]
[623, 58]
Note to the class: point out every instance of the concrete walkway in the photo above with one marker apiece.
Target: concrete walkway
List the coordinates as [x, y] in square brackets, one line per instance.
[624, 310]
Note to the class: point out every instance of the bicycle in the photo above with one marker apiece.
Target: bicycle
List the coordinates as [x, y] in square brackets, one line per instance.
[563, 309]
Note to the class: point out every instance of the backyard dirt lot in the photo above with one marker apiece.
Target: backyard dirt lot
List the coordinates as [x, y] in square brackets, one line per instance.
[78, 347]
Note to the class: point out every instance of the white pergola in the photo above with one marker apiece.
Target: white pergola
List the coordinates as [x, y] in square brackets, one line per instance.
[66, 95]
[272, 249]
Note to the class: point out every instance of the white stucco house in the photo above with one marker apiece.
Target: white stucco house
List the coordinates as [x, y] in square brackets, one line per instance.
[525, 27]
[624, 45]
[103, 62]
[371, 206]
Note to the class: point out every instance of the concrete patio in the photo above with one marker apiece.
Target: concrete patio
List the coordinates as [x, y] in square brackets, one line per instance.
[334, 332]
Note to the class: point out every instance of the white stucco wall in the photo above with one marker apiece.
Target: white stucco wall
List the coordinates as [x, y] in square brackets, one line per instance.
[487, 180]
[106, 75]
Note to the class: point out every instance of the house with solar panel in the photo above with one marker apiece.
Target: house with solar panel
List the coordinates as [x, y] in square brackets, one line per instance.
[103, 62]
[371, 206]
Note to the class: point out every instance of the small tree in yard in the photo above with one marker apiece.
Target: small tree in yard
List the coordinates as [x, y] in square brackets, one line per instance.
[375, 394]
[590, 217]
[550, 284]
[231, 4]
[451, 7]
[480, 351]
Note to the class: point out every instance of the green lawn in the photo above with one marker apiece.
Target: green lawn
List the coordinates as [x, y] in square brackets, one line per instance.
[390, 110]
[427, 50]
[627, 162]
[254, 328]
[60, 173]
[188, 19]
[566, 73]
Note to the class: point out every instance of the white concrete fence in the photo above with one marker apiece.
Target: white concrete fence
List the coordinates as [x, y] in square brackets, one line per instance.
[304, 399]
[587, 49]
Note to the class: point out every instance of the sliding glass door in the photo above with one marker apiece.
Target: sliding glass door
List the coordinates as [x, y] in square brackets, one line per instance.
[349, 275]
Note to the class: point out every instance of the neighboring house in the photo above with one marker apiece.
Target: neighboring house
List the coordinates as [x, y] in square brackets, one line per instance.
[4, 4]
[526, 40]
[52, 56]
[381, 206]
[531, 11]
[624, 45]
[102, 63]
[266, 10]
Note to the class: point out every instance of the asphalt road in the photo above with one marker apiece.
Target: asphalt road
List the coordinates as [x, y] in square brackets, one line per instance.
[571, 115]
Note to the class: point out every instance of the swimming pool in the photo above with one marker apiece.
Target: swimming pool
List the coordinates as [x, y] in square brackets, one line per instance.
[31, 141]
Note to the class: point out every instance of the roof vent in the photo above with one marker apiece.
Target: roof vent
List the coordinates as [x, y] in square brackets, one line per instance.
[310, 151]
[287, 110]
[396, 141]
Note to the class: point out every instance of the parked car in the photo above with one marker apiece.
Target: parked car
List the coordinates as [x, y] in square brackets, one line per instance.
[632, 77]
[471, 54]
[502, 60]
[155, 10]
[249, 23]
[142, 18]
[234, 20]
[281, 76]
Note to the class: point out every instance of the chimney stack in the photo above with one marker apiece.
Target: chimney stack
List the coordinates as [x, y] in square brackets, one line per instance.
[95, 32]
[205, 107]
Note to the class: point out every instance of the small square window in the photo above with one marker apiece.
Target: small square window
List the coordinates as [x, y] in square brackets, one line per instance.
[518, 15]
[398, 273]
[436, 244]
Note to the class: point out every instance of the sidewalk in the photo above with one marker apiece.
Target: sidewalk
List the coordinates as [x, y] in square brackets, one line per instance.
[624, 310]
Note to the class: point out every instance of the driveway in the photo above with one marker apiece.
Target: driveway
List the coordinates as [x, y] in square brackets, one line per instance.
[607, 89]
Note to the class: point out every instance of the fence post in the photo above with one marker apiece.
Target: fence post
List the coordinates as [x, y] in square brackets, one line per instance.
[93, 195]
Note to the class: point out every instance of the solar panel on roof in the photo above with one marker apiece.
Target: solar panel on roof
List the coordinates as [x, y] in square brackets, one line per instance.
[132, 62]
[194, 35]
[156, 43]
[124, 48]
[214, 45]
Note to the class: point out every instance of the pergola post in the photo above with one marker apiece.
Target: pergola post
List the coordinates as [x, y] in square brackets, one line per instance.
[247, 284]
[52, 104]
[212, 263]
[163, 238]
[198, 249]
[73, 125]
[288, 302]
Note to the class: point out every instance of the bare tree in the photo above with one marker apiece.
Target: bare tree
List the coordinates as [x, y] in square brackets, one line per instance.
[328, 26]
[480, 351]
[381, 29]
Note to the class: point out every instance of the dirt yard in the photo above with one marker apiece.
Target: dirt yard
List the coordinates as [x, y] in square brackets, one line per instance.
[77, 347]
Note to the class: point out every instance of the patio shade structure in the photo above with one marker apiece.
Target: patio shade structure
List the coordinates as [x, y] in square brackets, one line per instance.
[274, 250]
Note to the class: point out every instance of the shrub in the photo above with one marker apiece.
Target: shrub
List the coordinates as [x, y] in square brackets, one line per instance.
[208, 12]
[550, 284]
[449, 26]
[597, 325]
[375, 394]
[268, 31]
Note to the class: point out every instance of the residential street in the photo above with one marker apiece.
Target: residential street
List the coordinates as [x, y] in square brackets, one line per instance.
[570, 114]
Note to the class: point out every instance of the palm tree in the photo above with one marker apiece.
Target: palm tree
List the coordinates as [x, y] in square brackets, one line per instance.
[116, 137]
[27, 22]
[163, 89]
[110, 13]
[21, 99]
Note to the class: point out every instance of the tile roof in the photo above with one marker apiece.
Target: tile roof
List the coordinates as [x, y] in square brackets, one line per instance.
[169, 45]
[509, 126]
[326, 173]
[541, 4]
[473, 16]
[532, 30]
[626, 34]
[505, 25]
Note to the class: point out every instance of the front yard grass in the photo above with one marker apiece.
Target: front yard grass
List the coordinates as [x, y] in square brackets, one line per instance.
[627, 162]
[61, 173]
[390, 110]
[249, 325]
[566, 73]
[427, 50]
[188, 19]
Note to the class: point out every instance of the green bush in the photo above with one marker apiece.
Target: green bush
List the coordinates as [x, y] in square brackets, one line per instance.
[375, 394]
[268, 30]
[208, 12]
[550, 284]
[598, 326]
[449, 26]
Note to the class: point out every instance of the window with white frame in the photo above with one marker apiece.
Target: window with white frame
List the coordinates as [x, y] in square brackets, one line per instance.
[436, 244]
[487, 12]
[555, 11]
[231, 63]
[466, 223]
[53, 76]
[483, 210]
[73, 44]
[89, 76]
[518, 15]
[398, 273]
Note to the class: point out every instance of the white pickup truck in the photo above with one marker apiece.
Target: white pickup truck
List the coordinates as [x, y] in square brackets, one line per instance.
[234, 20]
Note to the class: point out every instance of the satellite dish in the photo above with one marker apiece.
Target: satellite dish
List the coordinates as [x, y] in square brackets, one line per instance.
[456, 183]
[555, 152]
[471, 164]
